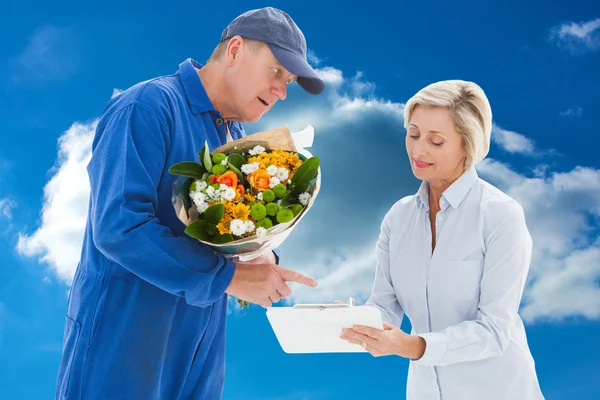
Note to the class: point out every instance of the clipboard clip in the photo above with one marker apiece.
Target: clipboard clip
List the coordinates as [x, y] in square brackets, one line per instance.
[321, 307]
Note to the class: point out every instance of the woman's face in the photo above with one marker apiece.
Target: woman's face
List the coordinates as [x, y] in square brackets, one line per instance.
[434, 147]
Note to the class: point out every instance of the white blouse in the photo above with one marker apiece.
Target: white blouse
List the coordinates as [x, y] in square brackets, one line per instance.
[463, 298]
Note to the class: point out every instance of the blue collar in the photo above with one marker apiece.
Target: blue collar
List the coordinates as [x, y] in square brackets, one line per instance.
[194, 90]
[452, 196]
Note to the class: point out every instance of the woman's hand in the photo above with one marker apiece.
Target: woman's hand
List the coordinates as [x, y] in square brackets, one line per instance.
[391, 341]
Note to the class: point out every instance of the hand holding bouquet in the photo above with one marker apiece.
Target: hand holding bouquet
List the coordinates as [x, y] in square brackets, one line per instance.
[244, 198]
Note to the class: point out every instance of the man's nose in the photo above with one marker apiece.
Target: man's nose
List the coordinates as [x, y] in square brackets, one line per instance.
[280, 89]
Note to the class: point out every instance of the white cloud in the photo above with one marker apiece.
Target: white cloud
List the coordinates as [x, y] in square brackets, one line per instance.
[6, 215]
[562, 212]
[58, 240]
[330, 75]
[562, 208]
[512, 142]
[312, 58]
[577, 37]
[572, 112]
[360, 87]
[344, 100]
[115, 93]
[51, 54]
[6, 207]
[342, 275]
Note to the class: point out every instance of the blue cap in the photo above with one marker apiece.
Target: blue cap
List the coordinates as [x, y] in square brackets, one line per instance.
[286, 41]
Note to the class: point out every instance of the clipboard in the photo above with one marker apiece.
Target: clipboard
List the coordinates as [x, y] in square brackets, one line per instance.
[316, 328]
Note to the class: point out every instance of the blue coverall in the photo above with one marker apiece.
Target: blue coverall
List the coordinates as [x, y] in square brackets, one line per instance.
[147, 308]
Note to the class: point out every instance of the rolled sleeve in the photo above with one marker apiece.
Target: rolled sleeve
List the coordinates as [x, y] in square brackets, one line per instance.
[436, 345]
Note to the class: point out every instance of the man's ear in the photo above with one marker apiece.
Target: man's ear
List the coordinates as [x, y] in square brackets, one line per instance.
[234, 49]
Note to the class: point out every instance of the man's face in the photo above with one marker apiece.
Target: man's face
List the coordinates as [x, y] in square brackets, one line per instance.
[255, 79]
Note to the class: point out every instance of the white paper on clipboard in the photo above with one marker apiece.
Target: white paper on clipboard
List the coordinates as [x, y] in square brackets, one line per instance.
[316, 328]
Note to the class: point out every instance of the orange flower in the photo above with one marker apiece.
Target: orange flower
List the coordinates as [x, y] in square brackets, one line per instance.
[250, 198]
[229, 178]
[260, 179]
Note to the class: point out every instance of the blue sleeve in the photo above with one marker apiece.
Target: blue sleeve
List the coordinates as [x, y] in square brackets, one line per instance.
[128, 160]
[277, 253]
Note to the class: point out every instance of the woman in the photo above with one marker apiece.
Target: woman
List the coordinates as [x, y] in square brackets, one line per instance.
[454, 258]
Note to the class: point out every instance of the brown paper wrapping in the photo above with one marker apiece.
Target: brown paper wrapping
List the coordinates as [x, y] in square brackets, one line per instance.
[272, 139]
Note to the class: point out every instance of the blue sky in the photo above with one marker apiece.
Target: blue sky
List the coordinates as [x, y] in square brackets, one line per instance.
[537, 61]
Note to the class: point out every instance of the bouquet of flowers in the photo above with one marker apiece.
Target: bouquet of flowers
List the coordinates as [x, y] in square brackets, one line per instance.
[245, 198]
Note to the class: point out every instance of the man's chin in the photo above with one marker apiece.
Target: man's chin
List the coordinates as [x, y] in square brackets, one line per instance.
[255, 118]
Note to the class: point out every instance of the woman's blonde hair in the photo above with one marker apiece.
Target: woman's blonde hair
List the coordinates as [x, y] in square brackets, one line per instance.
[469, 108]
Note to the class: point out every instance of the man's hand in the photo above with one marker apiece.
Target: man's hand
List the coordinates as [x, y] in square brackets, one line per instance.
[264, 284]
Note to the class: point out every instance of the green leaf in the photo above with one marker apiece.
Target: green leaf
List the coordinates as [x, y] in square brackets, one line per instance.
[205, 176]
[185, 194]
[211, 229]
[214, 213]
[239, 174]
[205, 158]
[304, 175]
[198, 230]
[236, 159]
[286, 201]
[220, 239]
[188, 168]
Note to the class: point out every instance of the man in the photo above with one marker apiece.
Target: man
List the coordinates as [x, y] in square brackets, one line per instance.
[147, 309]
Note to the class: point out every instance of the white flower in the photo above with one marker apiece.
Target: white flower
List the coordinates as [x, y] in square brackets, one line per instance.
[272, 170]
[256, 150]
[223, 187]
[289, 181]
[249, 226]
[282, 174]
[198, 203]
[224, 162]
[229, 194]
[238, 227]
[199, 200]
[259, 196]
[249, 168]
[202, 207]
[213, 194]
[200, 186]
[260, 231]
[199, 197]
[304, 198]
[273, 182]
